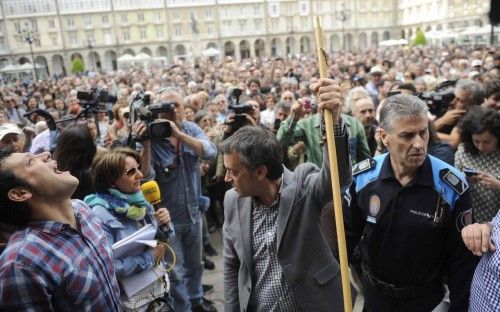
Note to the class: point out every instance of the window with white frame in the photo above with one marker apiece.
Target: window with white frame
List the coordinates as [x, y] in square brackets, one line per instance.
[140, 17]
[88, 20]
[256, 9]
[108, 39]
[52, 24]
[159, 33]
[258, 24]
[126, 34]
[243, 24]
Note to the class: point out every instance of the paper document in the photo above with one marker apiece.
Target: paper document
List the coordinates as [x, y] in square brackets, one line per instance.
[133, 284]
[132, 245]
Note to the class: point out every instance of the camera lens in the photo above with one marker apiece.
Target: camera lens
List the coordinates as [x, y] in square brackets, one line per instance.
[159, 130]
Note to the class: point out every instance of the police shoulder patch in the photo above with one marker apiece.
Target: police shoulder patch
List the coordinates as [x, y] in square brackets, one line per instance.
[363, 166]
[457, 184]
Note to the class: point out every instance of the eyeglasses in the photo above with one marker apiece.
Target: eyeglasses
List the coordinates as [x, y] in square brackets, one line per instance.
[132, 171]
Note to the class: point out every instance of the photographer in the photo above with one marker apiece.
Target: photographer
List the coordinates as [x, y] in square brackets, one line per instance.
[174, 161]
[467, 94]
[241, 115]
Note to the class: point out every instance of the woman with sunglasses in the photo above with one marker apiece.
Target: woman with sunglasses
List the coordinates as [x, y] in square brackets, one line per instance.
[120, 205]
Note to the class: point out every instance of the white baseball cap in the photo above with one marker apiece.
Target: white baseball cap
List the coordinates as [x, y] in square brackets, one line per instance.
[376, 69]
[475, 63]
[7, 129]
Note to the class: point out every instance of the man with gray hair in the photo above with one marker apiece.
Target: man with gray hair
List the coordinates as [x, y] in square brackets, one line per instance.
[467, 93]
[275, 255]
[406, 213]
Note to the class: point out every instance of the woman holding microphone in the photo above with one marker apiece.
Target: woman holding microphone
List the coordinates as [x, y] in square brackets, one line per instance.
[120, 205]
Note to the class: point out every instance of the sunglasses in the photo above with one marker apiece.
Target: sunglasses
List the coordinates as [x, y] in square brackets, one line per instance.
[132, 171]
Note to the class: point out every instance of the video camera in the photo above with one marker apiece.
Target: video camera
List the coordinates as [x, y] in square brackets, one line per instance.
[238, 109]
[144, 111]
[96, 95]
[439, 99]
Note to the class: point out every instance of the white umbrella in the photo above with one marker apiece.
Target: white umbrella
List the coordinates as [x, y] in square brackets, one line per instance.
[434, 34]
[392, 42]
[211, 52]
[142, 57]
[9, 69]
[126, 58]
[475, 31]
[27, 67]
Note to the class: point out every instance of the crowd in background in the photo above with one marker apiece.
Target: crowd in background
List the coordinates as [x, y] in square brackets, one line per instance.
[465, 129]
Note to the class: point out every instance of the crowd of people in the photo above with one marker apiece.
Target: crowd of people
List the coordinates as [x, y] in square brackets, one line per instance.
[239, 145]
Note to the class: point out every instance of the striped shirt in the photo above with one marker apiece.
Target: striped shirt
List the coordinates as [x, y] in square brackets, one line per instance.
[485, 288]
[49, 266]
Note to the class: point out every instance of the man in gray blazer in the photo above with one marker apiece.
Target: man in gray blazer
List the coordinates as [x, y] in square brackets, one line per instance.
[275, 255]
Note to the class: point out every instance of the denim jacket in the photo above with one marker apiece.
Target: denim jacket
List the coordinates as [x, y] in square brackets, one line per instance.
[178, 174]
[118, 227]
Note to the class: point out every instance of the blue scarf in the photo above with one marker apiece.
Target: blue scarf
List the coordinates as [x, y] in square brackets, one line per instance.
[133, 206]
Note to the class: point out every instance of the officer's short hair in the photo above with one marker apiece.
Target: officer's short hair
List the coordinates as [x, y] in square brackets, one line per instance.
[401, 106]
[256, 146]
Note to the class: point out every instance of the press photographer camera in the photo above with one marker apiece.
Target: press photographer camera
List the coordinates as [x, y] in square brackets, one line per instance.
[439, 99]
[95, 96]
[238, 110]
[149, 113]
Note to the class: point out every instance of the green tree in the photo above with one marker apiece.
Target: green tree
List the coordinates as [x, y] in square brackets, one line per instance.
[77, 66]
[419, 38]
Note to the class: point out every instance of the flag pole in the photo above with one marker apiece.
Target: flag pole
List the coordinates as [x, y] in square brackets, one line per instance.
[334, 173]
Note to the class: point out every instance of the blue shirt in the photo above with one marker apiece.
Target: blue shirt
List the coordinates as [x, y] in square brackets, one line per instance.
[49, 266]
[485, 288]
[178, 174]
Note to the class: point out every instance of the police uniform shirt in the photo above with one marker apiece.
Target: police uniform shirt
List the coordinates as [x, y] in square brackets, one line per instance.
[411, 234]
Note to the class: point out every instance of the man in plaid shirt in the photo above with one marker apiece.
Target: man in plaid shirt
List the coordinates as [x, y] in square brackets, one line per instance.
[59, 258]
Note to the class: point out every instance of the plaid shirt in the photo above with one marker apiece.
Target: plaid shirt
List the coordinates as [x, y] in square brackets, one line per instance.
[485, 288]
[49, 266]
[271, 292]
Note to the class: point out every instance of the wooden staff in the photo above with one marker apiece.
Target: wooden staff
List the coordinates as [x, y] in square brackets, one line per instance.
[334, 173]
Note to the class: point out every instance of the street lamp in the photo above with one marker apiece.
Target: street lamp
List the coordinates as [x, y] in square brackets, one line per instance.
[343, 16]
[29, 35]
[91, 46]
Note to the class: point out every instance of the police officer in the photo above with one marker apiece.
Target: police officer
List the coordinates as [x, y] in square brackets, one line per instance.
[406, 213]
